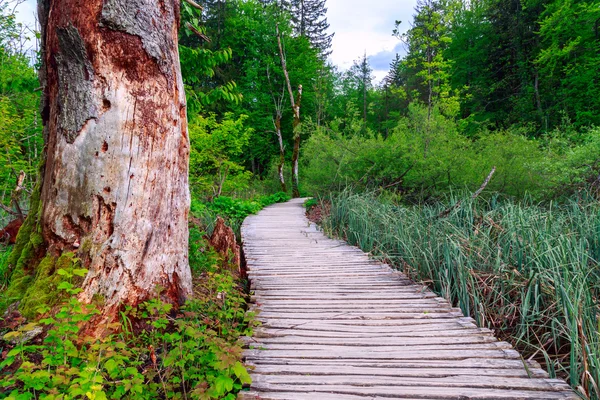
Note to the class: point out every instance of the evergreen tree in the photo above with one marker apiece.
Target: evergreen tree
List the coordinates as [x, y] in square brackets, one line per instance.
[309, 20]
[427, 39]
[395, 76]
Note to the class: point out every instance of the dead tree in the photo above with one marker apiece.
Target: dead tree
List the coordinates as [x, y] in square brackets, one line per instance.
[115, 181]
[295, 103]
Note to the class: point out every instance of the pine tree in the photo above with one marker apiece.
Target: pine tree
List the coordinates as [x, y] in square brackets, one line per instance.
[427, 39]
[309, 20]
[394, 76]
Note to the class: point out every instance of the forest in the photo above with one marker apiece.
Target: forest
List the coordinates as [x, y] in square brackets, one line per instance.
[473, 166]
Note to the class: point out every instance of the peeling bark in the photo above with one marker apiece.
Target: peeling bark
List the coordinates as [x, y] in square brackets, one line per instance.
[115, 184]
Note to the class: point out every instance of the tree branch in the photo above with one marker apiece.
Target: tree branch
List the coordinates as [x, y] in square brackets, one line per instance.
[194, 4]
[197, 32]
[446, 212]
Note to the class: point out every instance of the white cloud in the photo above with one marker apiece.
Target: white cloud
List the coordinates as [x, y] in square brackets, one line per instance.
[26, 13]
[362, 26]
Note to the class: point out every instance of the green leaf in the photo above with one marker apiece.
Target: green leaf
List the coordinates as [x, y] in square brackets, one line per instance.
[223, 385]
[242, 373]
[12, 335]
[65, 286]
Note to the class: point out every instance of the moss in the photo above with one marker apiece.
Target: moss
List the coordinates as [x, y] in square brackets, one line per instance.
[30, 272]
[43, 289]
[25, 251]
[86, 246]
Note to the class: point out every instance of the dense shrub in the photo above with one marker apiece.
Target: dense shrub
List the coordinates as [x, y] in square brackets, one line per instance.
[421, 159]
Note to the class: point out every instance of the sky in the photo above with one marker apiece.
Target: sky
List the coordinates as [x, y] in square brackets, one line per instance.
[360, 26]
[366, 26]
[26, 12]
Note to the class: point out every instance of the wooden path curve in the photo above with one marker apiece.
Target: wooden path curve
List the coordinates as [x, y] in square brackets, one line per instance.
[337, 325]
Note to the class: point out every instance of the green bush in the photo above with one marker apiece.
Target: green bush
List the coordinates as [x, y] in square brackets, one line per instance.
[310, 203]
[421, 160]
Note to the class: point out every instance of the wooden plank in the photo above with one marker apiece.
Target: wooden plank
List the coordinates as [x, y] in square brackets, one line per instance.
[373, 342]
[396, 372]
[450, 381]
[369, 354]
[423, 331]
[291, 392]
[448, 365]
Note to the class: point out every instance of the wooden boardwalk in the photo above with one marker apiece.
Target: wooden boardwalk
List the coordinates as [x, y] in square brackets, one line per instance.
[337, 325]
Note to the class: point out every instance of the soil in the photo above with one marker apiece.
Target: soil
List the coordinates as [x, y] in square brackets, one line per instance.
[317, 213]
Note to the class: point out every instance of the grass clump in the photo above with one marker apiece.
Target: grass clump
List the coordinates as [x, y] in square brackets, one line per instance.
[529, 271]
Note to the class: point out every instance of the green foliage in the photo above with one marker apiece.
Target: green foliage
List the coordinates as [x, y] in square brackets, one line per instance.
[569, 59]
[215, 147]
[195, 356]
[203, 258]
[20, 125]
[528, 271]
[240, 209]
[278, 197]
[310, 203]
[248, 29]
[234, 208]
[419, 159]
[429, 69]
[198, 64]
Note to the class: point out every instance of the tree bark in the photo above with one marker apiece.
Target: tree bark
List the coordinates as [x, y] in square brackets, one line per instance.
[115, 183]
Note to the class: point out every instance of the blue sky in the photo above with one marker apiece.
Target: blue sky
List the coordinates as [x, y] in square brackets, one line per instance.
[360, 26]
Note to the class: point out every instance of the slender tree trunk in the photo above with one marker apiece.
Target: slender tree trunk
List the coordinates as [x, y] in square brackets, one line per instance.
[278, 102]
[115, 182]
[296, 152]
[296, 108]
[280, 167]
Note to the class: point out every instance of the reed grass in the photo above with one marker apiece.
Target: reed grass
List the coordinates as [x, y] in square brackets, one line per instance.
[528, 271]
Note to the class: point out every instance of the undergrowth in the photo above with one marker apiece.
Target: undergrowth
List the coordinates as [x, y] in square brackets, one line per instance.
[152, 353]
[233, 210]
[529, 271]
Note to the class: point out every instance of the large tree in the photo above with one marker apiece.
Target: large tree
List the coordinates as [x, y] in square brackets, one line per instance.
[115, 190]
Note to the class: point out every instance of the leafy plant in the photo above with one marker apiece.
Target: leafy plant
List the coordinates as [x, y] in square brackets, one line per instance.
[195, 354]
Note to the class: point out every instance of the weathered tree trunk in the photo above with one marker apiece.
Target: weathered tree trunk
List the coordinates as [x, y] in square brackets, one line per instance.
[296, 108]
[115, 183]
[281, 165]
[296, 151]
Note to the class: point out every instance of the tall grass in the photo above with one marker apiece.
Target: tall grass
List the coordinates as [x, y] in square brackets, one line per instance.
[529, 271]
